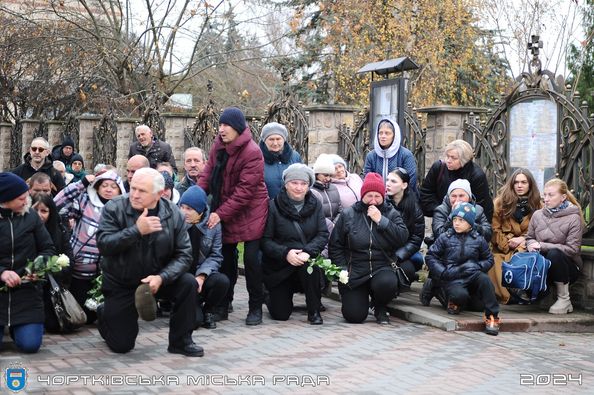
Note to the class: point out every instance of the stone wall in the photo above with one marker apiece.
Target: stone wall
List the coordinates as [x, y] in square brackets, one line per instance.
[324, 121]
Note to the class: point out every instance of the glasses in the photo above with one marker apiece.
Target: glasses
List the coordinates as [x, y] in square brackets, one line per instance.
[37, 149]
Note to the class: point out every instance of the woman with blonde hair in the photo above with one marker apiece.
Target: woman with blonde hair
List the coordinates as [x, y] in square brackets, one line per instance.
[515, 203]
[556, 231]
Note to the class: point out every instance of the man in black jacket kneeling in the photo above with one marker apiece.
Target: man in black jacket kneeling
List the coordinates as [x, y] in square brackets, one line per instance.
[146, 253]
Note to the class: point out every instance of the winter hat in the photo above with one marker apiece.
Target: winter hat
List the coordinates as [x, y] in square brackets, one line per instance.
[336, 159]
[299, 171]
[11, 187]
[273, 128]
[78, 157]
[460, 183]
[324, 165]
[233, 117]
[466, 211]
[373, 183]
[168, 180]
[68, 142]
[195, 197]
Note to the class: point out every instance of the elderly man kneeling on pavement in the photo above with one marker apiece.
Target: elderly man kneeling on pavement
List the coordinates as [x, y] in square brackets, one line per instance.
[146, 253]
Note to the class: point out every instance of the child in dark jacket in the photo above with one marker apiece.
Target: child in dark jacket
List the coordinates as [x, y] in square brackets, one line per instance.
[460, 258]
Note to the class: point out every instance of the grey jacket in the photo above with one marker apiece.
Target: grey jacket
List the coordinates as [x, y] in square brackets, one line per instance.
[207, 257]
[562, 230]
[129, 256]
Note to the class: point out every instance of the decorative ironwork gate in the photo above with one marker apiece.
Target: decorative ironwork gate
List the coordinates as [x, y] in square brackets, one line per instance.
[105, 140]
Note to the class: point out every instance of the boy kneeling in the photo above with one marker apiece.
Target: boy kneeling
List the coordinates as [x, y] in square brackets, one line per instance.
[460, 259]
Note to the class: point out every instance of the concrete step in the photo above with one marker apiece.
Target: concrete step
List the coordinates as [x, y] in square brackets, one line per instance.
[514, 318]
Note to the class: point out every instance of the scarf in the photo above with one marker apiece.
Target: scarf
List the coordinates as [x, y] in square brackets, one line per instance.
[560, 207]
[522, 209]
[216, 181]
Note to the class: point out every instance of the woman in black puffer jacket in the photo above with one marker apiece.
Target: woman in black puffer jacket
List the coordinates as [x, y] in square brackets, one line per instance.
[22, 238]
[364, 242]
[295, 232]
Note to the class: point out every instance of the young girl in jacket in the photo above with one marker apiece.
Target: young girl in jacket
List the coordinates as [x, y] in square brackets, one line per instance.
[515, 203]
[556, 231]
[460, 258]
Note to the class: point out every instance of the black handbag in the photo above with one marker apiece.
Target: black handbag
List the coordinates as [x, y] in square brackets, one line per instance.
[69, 314]
[403, 280]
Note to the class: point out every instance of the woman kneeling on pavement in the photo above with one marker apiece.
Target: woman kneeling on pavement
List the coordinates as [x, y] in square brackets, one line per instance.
[207, 256]
[556, 232]
[364, 241]
[295, 232]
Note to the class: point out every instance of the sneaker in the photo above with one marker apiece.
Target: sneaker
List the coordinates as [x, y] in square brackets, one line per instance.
[492, 325]
[426, 292]
[254, 317]
[382, 316]
[189, 350]
[145, 303]
[453, 308]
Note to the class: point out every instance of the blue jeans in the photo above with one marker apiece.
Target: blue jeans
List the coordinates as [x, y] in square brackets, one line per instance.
[27, 337]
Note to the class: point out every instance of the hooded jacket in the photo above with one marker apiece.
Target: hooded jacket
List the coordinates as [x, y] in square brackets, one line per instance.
[22, 237]
[349, 189]
[57, 154]
[562, 230]
[383, 161]
[25, 171]
[275, 164]
[207, 257]
[81, 202]
[244, 198]
[442, 221]
[353, 248]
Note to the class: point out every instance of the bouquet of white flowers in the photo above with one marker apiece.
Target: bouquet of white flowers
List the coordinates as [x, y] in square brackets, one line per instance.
[331, 270]
[95, 295]
[37, 269]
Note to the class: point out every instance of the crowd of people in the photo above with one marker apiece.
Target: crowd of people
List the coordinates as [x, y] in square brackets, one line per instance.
[167, 244]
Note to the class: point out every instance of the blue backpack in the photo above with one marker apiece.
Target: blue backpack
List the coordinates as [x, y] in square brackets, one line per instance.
[526, 271]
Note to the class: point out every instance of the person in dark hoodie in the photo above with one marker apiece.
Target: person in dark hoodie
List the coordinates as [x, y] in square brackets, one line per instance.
[388, 154]
[37, 160]
[278, 155]
[76, 168]
[64, 152]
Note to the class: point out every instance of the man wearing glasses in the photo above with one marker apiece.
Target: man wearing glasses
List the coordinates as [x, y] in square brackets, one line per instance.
[37, 161]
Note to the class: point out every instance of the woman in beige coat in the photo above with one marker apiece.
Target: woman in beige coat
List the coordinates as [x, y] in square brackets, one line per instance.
[515, 203]
[556, 231]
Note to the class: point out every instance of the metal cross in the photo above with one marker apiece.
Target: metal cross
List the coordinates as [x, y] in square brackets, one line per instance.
[534, 45]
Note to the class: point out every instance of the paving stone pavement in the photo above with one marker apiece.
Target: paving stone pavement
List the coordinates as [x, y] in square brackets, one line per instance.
[293, 356]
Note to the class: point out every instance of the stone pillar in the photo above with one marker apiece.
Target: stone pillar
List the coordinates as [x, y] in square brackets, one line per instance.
[29, 126]
[5, 141]
[126, 128]
[85, 139]
[444, 125]
[324, 121]
[54, 132]
[175, 125]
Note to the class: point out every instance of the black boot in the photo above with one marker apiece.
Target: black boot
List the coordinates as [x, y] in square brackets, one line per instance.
[254, 316]
[315, 318]
[209, 321]
[381, 315]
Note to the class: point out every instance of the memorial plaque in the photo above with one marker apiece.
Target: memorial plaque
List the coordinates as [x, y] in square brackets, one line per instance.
[533, 138]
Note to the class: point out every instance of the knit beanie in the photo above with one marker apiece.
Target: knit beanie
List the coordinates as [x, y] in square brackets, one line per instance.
[324, 165]
[168, 180]
[11, 187]
[299, 171]
[336, 159]
[460, 183]
[67, 142]
[273, 128]
[233, 117]
[195, 197]
[78, 157]
[466, 211]
[373, 183]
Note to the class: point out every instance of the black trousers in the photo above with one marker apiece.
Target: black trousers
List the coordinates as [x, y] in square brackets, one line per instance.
[480, 287]
[253, 272]
[80, 290]
[563, 269]
[119, 322]
[383, 287]
[213, 292]
[280, 305]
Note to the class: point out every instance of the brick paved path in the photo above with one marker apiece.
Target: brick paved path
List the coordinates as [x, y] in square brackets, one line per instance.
[281, 357]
